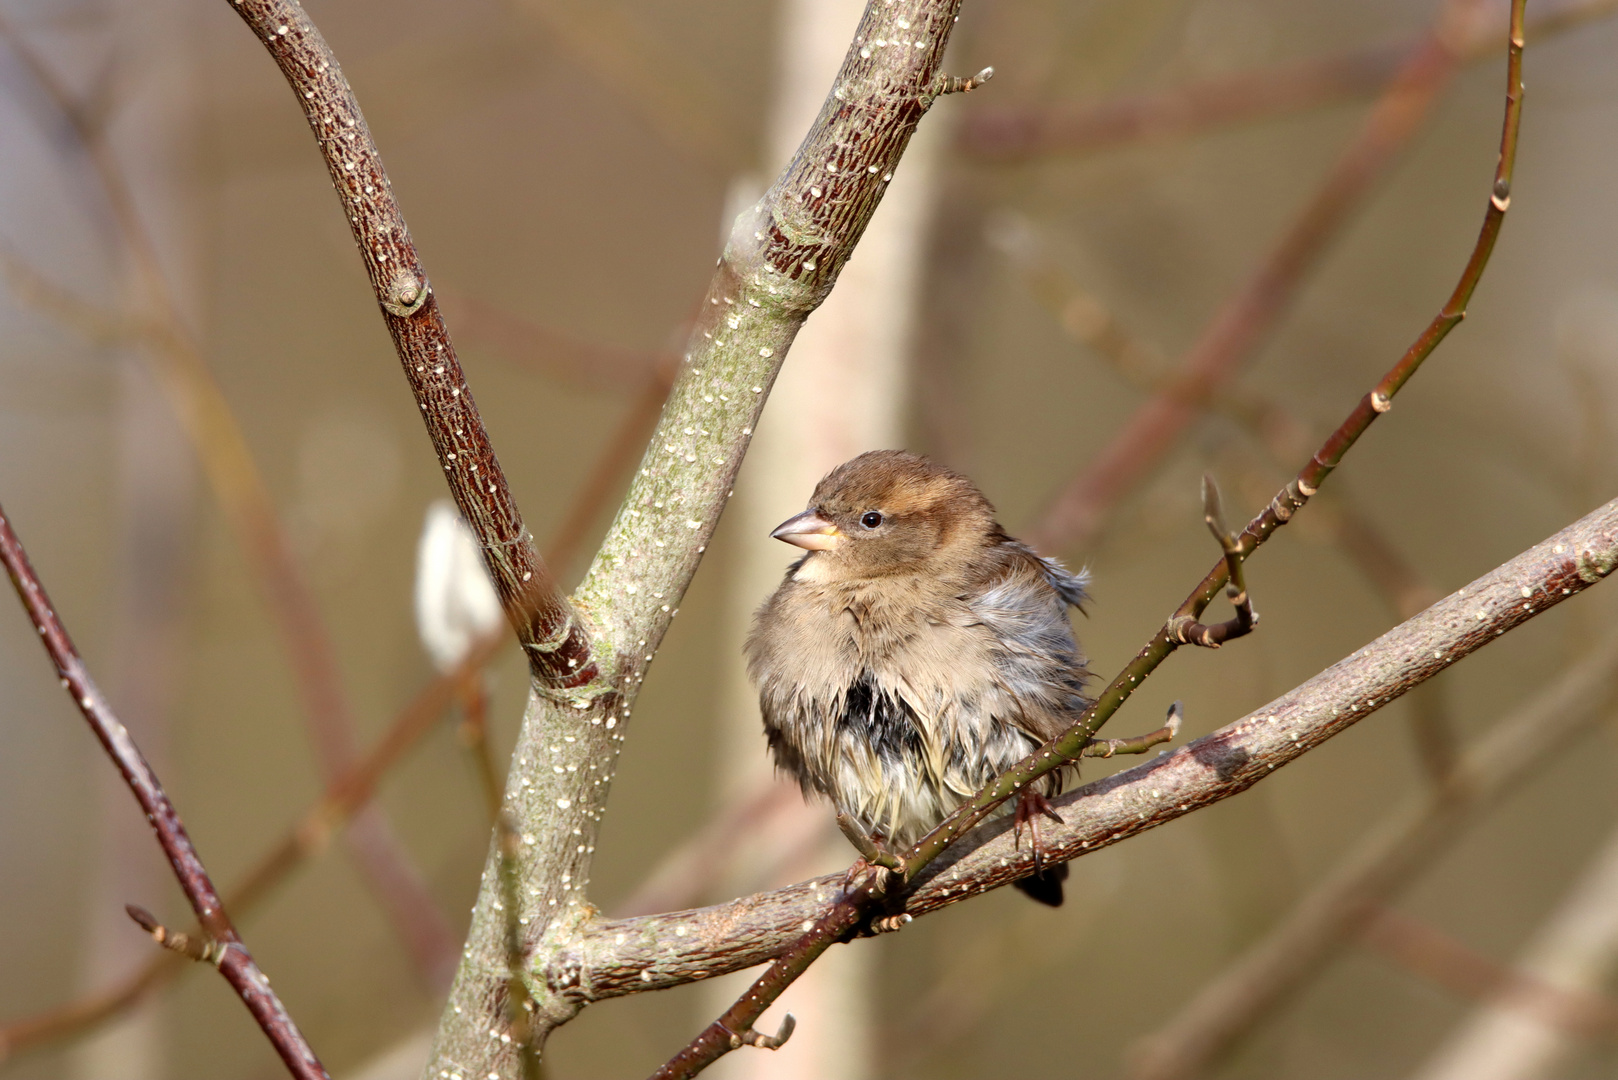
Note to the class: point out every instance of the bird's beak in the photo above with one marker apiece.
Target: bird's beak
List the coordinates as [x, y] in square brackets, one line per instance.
[809, 530]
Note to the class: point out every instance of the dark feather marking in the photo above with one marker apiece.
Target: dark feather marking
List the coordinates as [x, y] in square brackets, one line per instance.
[885, 723]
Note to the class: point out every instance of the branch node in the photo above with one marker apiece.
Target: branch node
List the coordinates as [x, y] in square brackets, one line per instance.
[406, 294]
[890, 923]
[1105, 748]
[201, 948]
[954, 84]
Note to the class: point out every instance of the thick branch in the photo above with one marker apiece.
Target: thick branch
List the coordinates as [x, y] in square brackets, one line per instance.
[235, 963]
[627, 956]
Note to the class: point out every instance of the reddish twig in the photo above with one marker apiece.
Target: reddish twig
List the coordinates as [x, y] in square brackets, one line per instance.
[1241, 324]
[557, 646]
[617, 459]
[234, 962]
[534, 347]
[309, 836]
[221, 446]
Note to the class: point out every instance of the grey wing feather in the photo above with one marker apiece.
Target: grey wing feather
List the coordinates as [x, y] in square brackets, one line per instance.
[1071, 586]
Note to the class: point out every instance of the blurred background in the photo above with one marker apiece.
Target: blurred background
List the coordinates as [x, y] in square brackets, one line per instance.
[218, 472]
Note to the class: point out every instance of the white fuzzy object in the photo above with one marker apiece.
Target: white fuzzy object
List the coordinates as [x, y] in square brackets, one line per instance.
[456, 605]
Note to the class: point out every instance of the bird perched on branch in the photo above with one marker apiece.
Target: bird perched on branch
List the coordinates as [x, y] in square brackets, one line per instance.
[915, 653]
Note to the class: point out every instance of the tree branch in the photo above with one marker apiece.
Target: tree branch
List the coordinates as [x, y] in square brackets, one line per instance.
[626, 956]
[556, 644]
[310, 835]
[235, 963]
[209, 422]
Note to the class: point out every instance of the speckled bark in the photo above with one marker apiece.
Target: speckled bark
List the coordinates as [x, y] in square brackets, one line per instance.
[612, 958]
[558, 647]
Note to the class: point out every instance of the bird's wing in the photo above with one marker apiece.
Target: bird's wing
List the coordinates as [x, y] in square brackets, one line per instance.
[1038, 663]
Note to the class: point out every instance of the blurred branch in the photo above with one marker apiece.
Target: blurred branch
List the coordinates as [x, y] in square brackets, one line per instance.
[1076, 514]
[234, 962]
[1423, 949]
[606, 476]
[307, 838]
[683, 875]
[1531, 1025]
[1012, 134]
[679, 101]
[558, 356]
[1269, 973]
[782, 259]
[626, 956]
[221, 446]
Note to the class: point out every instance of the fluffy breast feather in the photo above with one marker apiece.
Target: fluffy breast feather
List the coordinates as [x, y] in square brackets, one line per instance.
[897, 701]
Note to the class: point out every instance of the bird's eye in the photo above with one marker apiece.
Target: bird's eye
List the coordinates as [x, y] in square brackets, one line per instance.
[871, 519]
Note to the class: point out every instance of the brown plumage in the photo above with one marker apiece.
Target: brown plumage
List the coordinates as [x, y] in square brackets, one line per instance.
[915, 652]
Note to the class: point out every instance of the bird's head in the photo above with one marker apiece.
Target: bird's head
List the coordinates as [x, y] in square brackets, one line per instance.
[890, 512]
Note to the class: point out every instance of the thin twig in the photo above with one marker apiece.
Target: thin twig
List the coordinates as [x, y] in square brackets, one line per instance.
[606, 476]
[211, 425]
[308, 837]
[235, 963]
[474, 735]
[1068, 746]
[1139, 744]
[1286, 502]
[1241, 324]
[1088, 321]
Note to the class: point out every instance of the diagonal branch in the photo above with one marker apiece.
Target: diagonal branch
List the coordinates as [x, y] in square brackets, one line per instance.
[1393, 855]
[781, 261]
[234, 963]
[344, 797]
[626, 956]
[557, 646]
[868, 885]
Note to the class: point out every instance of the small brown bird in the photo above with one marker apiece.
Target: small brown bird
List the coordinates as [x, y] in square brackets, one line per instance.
[915, 652]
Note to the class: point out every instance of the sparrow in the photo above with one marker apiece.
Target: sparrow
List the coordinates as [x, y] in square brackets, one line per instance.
[914, 653]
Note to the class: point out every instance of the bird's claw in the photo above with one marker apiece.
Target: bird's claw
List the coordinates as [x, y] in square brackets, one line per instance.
[1030, 805]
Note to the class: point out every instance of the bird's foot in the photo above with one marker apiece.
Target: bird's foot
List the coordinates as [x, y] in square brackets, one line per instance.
[874, 858]
[1030, 806]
